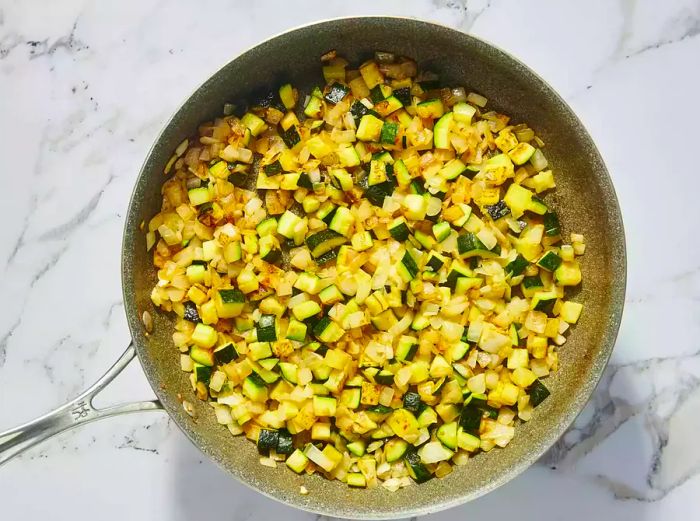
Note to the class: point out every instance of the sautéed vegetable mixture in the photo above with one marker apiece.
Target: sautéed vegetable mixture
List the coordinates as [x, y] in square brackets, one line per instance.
[367, 281]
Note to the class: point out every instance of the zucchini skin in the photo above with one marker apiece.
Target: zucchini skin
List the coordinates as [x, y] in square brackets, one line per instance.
[412, 402]
[323, 242]
[267, 440]
[191, 312]
[538, 393]
[418, 471]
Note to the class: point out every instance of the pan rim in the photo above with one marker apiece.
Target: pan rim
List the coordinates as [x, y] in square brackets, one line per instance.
[601, 359]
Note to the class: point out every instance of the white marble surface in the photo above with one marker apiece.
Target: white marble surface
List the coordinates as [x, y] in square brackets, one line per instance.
[86, 86]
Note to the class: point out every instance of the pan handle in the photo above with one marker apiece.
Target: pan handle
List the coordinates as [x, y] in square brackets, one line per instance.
[76, 412]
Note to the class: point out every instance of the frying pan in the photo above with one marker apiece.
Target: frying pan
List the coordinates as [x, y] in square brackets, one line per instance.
[585, 200]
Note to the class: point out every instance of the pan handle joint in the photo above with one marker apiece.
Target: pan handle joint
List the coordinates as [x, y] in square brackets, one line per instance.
[77, 412]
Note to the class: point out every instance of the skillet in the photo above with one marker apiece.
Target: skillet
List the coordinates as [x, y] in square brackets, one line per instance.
[585, 200]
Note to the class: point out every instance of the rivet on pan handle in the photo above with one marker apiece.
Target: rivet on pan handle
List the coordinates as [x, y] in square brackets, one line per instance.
[76, 412]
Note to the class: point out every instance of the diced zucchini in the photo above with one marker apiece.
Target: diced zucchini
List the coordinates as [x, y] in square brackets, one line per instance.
[387, 136]
[355, 381]
[469, 245]
[269, 252]
[342, 222]
[324, 241]
[356, 479]
[522, 153]
[247, 281]
[328, 331]
[403, 176]
[287, 96]
[460, 350]
[326, 212]
[219, 169]
[407, 348]
[289, 372]
[570, 311]
[370, 128]
[196, 273]
[267, 440]
[306, 310]
[255, 388]
[420, 322]
[229, 302]
[538, 393]
[255, 124]
[233, 252]
[202, 356]
[350, 398]
[404, 424]
[412, 402]
[324, 405]
[313, 107]
[342, 178]
[435, 261]
[517, 266]
[362, 241]
[202, 373]
[371, 74]
[518, 199]
[467, 441]
[399, 229]
[321, 431]
[297, 461]
[244, 324]
[441, 131]
[347, 155]
[427, 417]
[225, 354]
[394, 449]
[336, 93]
[384, 377]
[285, 442]
[259, 350]
[549, 261]
[267, 328]
[537, 206]
[568, 274]
[377, 172]
[388, 106]
[357, 448]
[199, 196]
[463, 112]
[447, 434]
[441, 230]
[204, 336]
[531, 285]
[466, 214]
[287, 224]
[452, 169]
[330, 295]
[543, 301]
[430, 109]
[416, 469]
[425, 240]
[551, 224]
[407, 268]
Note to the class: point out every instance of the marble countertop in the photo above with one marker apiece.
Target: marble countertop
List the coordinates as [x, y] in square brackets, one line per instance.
[86, 86]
